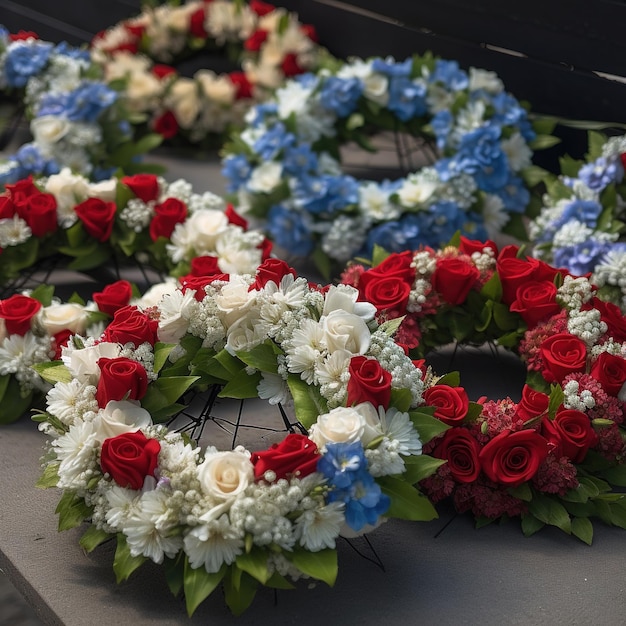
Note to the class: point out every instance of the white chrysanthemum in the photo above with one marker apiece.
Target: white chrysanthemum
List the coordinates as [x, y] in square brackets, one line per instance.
[517, 151]
[154, 295]
[68, 402]
[275, 300]
[13, 231]
[332, 374]
[213, 544]
[397, 426]
[18, 353]
[416, 190]
[266, 177]
[494, 214]
[149, 527]
[77, 451]
[273, 388]
[176, 309]
[122, 503]
[318, 529]
[376, 204]
[238, 251]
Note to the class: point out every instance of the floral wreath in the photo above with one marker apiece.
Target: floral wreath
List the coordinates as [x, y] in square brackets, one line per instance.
[237, 517]
[269, 42]
[285, 164]
[555, 456]
[581, 223]
[77, 120]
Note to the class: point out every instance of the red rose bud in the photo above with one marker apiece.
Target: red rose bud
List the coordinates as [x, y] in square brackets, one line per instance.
[60, 341]
[451, 403]
[113, 297]
[256, 40]
[295, 455]
[469, 246]
[21, 35]
[234, 217]
[242, 84]
[308, 30]
[120, 379]
[144, 186]
[512, 458]
[162, 71]
[290, 65]
[610, 371]
[532, 404]
[39, 211]
[198, 283]
[97, 217]
[397, 265]
[166, 215]
[454, 278]
[196, 23]
[461, 450]
[205, 265]
[536, 301]
[265, 247]
[130, 325]
[17, 312]
[261, 8]
[129, 458]
[387, 294]
[571, 433]
[166, 125]
[562, 354]
[513, 273]
[7, 208]
[271, 270]
[368, 382]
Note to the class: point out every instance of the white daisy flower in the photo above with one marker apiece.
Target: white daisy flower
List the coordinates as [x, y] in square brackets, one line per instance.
[213, 544]
[318, 529]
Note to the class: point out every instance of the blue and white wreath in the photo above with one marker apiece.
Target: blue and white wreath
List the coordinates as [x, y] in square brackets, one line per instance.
[286, 170]
[581, 225]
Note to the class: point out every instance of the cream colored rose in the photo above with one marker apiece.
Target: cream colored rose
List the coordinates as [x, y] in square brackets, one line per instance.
[105, 190]
[245, 334]
[69, 190]
[49, 129]
[155, 294]
[344, 298]
[203, 227]
[68, 316]
[183, 100]
[234, 299]
[143, 90]
[347, 425]
[225, 475]
[345, 331]
[216, 88]
[83, 363]
[265, 177]
[119, 417]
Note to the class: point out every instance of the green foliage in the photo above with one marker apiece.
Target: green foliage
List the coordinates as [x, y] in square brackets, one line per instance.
[309, 403]
[407, 502]
[49, 477]
[124, 564]
[93, 537]
[72, 511]
[426, 425]
[198, 584]
[320, 565]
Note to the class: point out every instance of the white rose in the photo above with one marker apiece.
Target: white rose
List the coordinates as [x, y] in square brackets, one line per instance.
[217, 88]
[119, 417]
[83, 363]
[49, 129]
[142, 90]
[68, 316]
[105, 190]
[346, 331]
[347, 425]
[155, 294]
[483, 79]
[344, 298]
[234, 299]
[415, 192]
[183, 100]
[69, 189]
[223, 476]
[245, 334]
[203, 228]
[265, 177]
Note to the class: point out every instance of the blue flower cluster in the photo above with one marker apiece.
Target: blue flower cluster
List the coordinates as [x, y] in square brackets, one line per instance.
[303, 136]
[345, 468]
[84, 104]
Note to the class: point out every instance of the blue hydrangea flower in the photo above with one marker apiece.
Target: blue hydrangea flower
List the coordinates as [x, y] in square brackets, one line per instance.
[390, 67]
[514, 195]
[270, 144]
[88, 101]
[341, 95]
[31, 161]
[325, 194]
[450, 75]
[53, 104]
[407, 99]
[64, 49]
[258, 115]
[290, 230]
[480, 154]
[442, 125]
[25, 59]
[236, 169]
[581, 257]
[299, 160]
[585, 211]
[395, 235]
[509, 112]
[341, 463]
[601, 172]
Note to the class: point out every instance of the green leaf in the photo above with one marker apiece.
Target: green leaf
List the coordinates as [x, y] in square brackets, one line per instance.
[72, 511]
[556, 400]
[420, 467]
[583, 529]
[173, 387]
[541, 142]
[615, 475]
[198, 585]
[262, 357]
[242, 386]
[49, 476]
[550, 512]
[391, 326]
[530, 524]
[523, 492]
[516, 227]
[175, 572]
[230, 363]
[239, 590]
[452, 379]
[379, 254]
[322, 263]
[492, 289]
[533, 175]
[161, 353]
[320, 565]
[123, 563]
[53, 372]
[308, 401]
[277, 581]
[406, 501]
[93, 537]
[426, 425]
[255, 564]
[14, 405]
[474, 411]
[596, 142]
[401, 399]
[43, 293]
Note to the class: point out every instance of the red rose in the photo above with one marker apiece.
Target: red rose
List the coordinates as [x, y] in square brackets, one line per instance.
[469, 246]
[129, 458]
[198, 283]
[397, 265]
[451, 403]
[144, 186]
[120, 379]
[23, 34]
[113, 297]
[461, 451]
[610, 371]
[130, 325]
[454, 278]
[611, 315]
[166, 215]
[368, 382]
[166, 125]
[21, 190]
[512, 458]
[562, 354]
[290, 66]
[242, 84]
[162, 71]
[60, 341]
[39, 211]
[513, 273]
[536, 301]
[308, 30]
[387, 294]
[205, 265]
[7, 208]
[571, 432]
[97, 217]
[261, 8]
[196, 23]
[271, 270]
[295, 455]
[17, 312]
[234, 217]
[266, 249]
[256, 40]
[532, 404]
